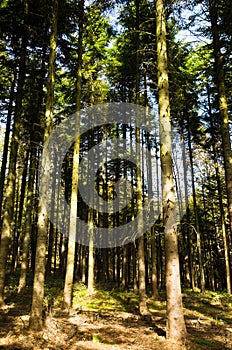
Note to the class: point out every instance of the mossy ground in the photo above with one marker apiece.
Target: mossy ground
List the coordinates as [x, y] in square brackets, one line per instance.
[109, 319]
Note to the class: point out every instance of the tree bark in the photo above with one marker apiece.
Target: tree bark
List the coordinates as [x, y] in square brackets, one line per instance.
[28, 226]
[195, 208]
[141, 252]
[67, 298]
[18, 218]
[6, 144]
[11, 178]
[36, 322]
[176, 329]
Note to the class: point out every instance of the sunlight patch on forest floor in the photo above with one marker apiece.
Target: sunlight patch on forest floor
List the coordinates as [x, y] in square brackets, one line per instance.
[109, 319]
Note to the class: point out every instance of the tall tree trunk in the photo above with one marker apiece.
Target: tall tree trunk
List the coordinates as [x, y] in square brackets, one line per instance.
[18, 219]
[6, 144]
[11, 178]
[67, 298]
[154, 275]
[225, 129]
[141, 252]
[190, 267]
[196, 216]
[91, 216]
[219, 187]
[176, 329]
[52, 218]
[91, 253]
[28, 226]
[41, 245]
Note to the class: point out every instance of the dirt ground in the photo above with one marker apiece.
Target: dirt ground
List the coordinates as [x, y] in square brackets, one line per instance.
[88, 330]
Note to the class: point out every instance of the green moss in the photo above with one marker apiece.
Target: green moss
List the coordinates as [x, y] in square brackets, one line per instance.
[98, 339]
[204, 342]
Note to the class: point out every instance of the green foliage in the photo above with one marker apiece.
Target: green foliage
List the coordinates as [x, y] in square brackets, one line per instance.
[101, 299]
[98, 339]
[53, 290]
[4, 3]
[129, 46]
[201, 341]
[216, 306]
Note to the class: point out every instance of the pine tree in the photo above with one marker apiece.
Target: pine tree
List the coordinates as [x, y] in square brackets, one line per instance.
[67, 299]
[36, 320]
[175, 318]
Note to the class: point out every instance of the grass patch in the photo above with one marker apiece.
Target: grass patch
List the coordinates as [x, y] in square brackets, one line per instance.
[98, 339]
[201, 341]
[214, 305]
[103, 300]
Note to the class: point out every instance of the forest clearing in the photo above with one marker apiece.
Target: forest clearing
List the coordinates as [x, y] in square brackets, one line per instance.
[116, 174]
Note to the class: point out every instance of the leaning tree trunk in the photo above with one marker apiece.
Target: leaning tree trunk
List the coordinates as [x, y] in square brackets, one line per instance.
[41, 245]
[225, 129]
[176, 330]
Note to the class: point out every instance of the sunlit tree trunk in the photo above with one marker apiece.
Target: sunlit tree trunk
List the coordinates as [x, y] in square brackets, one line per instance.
[67, 298]
[176, 329]
[36, 322]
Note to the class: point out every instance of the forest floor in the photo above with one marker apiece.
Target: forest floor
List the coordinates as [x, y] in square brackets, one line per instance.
[109, 319]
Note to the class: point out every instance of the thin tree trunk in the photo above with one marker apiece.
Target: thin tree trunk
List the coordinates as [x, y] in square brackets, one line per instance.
[197, 227]
[6, 145]
[11, 178]
[222, 215]
[51, 227]
[176, 329]
[91, 218]
[124, 267]
[18, 220]
[91, 253]
[28, 226]
[154, 279]
[67, 298]
[36, 322]
[190, 268]
[141, 252]
[154, 275]
[223, 106]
